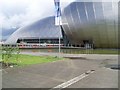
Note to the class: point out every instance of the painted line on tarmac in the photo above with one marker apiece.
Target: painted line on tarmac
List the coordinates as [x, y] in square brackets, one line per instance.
[2, 70]
[74, 80]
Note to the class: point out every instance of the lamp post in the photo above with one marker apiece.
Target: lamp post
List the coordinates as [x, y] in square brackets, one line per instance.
[1, 32]
[59, 37]
[57, 18]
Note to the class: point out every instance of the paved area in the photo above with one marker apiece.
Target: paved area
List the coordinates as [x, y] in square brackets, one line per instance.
[90, 56]
[0, 79]
[52, 74]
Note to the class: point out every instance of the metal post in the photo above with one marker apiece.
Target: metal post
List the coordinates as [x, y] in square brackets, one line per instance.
[59, 36]
[1, 56]
[39, 42]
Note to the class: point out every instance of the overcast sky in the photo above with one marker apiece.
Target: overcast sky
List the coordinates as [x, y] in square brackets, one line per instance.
[17, 13]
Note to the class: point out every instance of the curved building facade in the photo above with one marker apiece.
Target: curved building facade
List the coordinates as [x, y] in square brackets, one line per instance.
[41, 29]
[91, 22]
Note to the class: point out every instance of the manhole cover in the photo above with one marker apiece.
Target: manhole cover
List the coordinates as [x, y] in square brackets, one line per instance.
[115, 66]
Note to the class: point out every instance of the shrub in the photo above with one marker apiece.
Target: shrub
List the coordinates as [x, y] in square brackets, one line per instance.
[8, 52]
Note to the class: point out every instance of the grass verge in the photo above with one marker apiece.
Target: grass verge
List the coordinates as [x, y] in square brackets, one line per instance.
[29, 59]
[91, 51]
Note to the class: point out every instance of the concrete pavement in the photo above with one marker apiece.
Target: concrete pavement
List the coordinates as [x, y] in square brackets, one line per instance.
[52, 74]
[88, 56]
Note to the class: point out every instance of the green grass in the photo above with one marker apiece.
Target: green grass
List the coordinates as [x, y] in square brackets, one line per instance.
[0, 57]
[99, 51]
[29, 59]
[90, 51]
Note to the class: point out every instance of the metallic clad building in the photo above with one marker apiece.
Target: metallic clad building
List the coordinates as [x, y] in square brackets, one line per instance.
[41, 29]
[91, 22]
[82, 22]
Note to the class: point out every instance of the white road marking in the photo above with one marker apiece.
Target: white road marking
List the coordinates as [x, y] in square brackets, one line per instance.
[3, 70]
[74, 80]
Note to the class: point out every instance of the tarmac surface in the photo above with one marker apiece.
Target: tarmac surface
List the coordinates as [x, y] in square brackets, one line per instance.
[51, 75]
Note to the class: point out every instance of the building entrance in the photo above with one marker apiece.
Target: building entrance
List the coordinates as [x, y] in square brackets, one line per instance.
[88, 44]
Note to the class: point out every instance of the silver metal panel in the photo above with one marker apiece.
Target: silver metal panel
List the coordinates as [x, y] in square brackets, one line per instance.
[92, 21]
[96, 21]
[44, 28]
